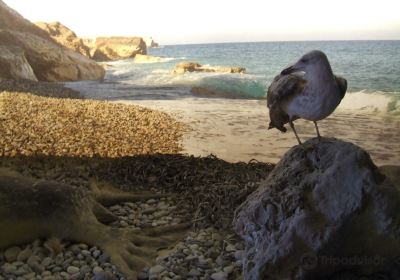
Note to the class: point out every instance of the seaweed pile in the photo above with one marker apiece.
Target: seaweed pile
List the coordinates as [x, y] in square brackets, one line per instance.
[208, 187]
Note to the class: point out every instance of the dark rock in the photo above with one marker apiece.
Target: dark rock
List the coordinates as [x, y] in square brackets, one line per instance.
[324, 209]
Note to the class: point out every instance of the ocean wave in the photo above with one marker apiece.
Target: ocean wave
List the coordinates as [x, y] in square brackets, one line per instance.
[373, 100]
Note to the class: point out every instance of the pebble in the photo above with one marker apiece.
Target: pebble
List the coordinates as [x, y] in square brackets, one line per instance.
[8, 268]
[24, 254]
[228, 269]
[73, 269]
[194, 272]
[11, 253]
[155, 270]
[97, 270]
[219, 276]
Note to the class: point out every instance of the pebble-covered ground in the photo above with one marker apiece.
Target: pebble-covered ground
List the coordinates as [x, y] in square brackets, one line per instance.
[133, 149]
[206, 253]
[33, 125]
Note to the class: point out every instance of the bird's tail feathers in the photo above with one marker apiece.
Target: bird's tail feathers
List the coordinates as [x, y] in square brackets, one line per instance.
[281, 128]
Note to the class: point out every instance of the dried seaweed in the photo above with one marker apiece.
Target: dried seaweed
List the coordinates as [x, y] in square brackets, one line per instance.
[209, 188]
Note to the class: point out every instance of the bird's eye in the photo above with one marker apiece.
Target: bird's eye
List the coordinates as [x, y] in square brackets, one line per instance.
[303, 60]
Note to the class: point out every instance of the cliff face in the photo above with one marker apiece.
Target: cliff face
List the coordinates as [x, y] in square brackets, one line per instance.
[10, 19]
[114, 48]
[64, 36]
[49, 60]
[100, 48]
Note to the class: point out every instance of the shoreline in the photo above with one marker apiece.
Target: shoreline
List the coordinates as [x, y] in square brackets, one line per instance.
[236, 130]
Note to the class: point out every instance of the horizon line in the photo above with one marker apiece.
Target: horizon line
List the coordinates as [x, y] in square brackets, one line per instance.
[278, 41]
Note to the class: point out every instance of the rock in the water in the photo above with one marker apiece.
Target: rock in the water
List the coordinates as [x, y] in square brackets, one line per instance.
[184, 67]
[13, 64]
[323, 209]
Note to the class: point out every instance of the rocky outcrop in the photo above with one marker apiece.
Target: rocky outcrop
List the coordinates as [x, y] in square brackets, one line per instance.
[50, 61]
[325, 210]
[184, 67]
[115, 48]
[150, 43]
[65, 36]
[11, 20]
[13, 64]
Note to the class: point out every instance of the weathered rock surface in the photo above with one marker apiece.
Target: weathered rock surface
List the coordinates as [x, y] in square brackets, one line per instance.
[184, 67]
[322, 212]
[114, 48]
[13, 64]
[10, 19]
[50, 61]
[65, 36]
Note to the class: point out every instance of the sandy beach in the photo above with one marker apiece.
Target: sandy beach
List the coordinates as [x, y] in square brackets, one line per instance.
[236, 130]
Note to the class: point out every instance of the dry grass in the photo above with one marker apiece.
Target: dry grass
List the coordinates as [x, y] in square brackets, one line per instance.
[34, 125]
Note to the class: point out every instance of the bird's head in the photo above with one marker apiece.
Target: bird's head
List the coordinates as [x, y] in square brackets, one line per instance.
[313, 61]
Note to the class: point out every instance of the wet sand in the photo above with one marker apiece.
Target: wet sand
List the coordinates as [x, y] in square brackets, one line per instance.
[237, 130]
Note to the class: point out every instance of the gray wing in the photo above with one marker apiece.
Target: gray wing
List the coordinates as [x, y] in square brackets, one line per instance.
[283, 88]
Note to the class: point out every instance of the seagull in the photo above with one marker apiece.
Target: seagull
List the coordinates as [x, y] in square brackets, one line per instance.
[307, 89]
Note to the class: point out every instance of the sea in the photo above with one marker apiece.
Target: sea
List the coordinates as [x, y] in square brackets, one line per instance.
[371, 67]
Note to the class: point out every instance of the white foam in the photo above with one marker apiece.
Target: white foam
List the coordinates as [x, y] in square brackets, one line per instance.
[375, 101]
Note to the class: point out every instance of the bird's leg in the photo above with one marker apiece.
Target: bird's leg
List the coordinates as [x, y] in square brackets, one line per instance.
[319, 135]
[295, 133]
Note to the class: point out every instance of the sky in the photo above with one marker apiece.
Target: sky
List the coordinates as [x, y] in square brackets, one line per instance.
[214, 21]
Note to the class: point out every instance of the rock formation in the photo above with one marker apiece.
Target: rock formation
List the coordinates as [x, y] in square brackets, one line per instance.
[114, 48]
[65, 36]
[31, 209]
[49, 60]
[150, 43]
[184, 67]
[10, 19]
[13, 64]
[324, 211]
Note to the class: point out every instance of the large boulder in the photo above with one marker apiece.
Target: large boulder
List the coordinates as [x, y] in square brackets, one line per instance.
[65, 36]
[325, 211]
[184, 67]
[50, 61]
[13, 64]
[115, 48]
